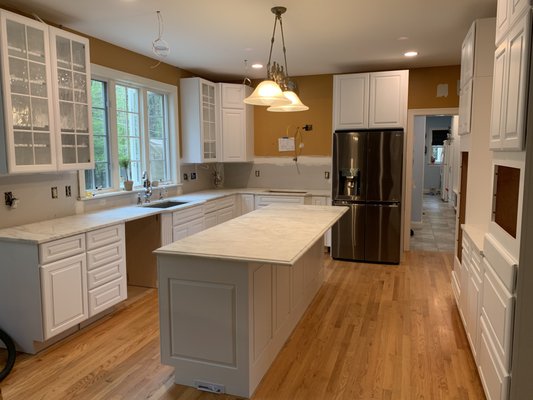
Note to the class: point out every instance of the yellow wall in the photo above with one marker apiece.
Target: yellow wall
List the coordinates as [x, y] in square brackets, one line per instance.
[317, 92]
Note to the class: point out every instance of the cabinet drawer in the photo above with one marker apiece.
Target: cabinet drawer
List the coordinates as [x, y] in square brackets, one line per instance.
[498, 310]
[189, 214]
[105, 255]
[218, 204]
[494, 377]
[107, 295]
[501, 262]
[262, 201]
[61, 248]
[101, 237]
[100, 276]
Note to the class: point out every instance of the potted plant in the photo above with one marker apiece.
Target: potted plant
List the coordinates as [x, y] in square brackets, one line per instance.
[124, 163]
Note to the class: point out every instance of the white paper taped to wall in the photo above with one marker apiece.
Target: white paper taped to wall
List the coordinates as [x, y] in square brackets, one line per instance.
[442, 90]
[286, 144]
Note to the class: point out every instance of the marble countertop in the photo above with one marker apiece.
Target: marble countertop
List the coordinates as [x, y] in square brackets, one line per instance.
[44, 231]
[278, 233]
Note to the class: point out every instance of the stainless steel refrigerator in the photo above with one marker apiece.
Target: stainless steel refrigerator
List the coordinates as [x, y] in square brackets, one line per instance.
[367, 177]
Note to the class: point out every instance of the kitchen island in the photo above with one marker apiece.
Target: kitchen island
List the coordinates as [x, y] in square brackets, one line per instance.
[230, 296]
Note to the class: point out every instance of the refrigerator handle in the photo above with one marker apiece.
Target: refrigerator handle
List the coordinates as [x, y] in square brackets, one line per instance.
[358, 183]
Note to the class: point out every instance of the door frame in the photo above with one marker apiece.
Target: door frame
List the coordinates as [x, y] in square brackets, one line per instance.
[408, 166]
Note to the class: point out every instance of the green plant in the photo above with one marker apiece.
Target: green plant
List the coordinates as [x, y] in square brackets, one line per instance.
[124, 162]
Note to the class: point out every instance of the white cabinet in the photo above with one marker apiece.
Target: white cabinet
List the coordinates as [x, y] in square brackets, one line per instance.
[507, 13]
[199, 120]
[370, 100]
[27, 95]
[64, 294]
[72, 74]
[465, 108]
[187, 222]
[265, 200]
[509, 94]
[467, 55]
[236, 123]
[323, 201]
[247, 203]
[219, 210]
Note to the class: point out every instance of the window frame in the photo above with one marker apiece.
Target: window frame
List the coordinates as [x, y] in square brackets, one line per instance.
[113, 77]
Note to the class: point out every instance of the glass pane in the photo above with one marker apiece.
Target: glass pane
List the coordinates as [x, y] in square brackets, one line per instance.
[80, 88]
[38, 79]
[157, 170]
[155, 104]
[99, 122]
[66, 112]
[122, 123]
[157, 149]
[98, 94]
[21, 111]
[18, 74]
[40, 115]
[82, 118]
[99, 177]
[16, 39]
[120, 95]
[78, 56]
[23, 148]
[133, 100]
[64, 79]
[35, 44]
[135, 149]
[100, 149]
[68, 148]
[43, 154]
[84, 154]
[63, 52]
[133, 125]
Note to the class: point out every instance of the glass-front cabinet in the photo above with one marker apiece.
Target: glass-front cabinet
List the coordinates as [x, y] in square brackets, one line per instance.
[27, 96]
[71, 71]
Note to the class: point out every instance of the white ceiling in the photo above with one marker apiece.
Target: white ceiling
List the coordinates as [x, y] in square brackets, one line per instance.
[213, 37]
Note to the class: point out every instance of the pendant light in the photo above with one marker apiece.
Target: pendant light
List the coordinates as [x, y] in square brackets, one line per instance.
[277, 91]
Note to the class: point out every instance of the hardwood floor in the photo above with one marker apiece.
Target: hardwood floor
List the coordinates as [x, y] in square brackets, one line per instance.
[372, 332]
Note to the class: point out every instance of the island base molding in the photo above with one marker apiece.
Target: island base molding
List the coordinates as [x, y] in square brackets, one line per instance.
[224, 321]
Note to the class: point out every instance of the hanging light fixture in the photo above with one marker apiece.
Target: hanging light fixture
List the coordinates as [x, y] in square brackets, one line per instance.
[278, 90]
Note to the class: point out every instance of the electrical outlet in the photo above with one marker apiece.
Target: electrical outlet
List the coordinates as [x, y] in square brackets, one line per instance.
[54, 192]
[308, 127]
[326, 174]
[257, 173]
[193, 176]
[68, 191]
[185, 177]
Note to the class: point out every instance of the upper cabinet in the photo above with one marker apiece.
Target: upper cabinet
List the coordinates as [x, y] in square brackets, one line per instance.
[46, 103]
[29, 142]
[508, 12]
[236, 123]
[509, 94]
[199, 120]
[370, 100]
[70, 54]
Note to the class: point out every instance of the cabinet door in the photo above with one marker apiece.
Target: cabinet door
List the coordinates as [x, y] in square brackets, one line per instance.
[465, 108]
[71, 71]
[467, 56]
[513, 121]
[247, 203]
[388, 99]
[498, 93]
[208, 121]
[350, 101]
[27, 95]
[502, 19]
[179, 232]
[210, 220]
[195, 226]
[64, 294]
[473, 312]
[232, 95]
[225, 214]
[233, 135]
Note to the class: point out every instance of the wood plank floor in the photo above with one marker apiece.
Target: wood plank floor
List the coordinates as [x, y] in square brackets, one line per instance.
[372, 332]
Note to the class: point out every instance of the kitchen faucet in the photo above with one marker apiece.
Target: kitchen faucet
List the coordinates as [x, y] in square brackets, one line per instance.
[147, 187]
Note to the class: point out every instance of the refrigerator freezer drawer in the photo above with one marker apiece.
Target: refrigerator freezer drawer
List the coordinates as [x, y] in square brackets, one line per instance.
[348, 234]
[382, 234]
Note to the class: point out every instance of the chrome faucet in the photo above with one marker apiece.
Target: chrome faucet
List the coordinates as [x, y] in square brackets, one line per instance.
[147, 187]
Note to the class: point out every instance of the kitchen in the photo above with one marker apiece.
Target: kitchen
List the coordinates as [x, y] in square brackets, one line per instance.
[316, 90]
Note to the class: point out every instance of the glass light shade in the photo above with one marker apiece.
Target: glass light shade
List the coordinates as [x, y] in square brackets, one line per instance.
[295, 105]
[267, 93]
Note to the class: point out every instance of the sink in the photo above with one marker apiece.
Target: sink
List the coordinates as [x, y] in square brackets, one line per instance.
[286, 191]
[165, 204]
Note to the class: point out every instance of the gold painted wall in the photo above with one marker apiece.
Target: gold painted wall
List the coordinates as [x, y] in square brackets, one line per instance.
[317, 92]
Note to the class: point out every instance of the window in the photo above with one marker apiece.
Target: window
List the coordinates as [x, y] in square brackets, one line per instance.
[438, 136]
[132, 120]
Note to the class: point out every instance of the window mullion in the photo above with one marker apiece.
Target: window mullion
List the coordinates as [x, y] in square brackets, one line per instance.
[113, 135]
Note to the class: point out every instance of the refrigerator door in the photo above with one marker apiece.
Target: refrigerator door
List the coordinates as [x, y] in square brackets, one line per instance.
[348, 234]
[382, 235]
[383, 177]
[349, 163]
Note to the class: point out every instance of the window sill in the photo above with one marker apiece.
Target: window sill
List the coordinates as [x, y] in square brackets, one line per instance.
[108, 194]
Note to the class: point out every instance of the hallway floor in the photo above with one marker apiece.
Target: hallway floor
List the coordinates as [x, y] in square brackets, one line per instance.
[437, 230]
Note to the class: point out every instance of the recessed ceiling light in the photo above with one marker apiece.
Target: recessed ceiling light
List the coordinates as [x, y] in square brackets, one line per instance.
[411, 54]
[403, 38]
[257, 66]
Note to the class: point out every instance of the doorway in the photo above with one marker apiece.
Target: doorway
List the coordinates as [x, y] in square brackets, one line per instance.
[430, 192]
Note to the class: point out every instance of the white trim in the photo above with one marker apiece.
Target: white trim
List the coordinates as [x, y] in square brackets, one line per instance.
[411, 114]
